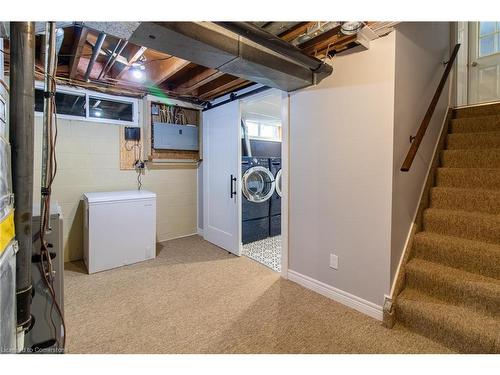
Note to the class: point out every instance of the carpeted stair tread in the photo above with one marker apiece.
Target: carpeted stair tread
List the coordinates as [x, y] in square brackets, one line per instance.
[473, 140]
[471, 256]
[455, 286]
[469, 225]
[458, 327]
[486, 158]
[469, 178]
[476, 124]
[474, 200]
[477, 111]
[452, 280]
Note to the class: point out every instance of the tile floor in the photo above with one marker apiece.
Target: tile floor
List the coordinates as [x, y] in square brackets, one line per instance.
[266, 252]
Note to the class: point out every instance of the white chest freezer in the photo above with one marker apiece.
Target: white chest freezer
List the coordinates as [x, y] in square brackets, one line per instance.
[119, 228]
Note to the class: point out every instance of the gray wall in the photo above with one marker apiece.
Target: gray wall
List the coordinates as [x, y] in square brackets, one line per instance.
[341, 137]
[421, 47]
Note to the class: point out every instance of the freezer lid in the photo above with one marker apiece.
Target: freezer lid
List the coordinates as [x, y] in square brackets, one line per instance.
[55, 209]
[116, 196]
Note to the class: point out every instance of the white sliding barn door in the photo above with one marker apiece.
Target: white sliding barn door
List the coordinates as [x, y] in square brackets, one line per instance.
[221, 171]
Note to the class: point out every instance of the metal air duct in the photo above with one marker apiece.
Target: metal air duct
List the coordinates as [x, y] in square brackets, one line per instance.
[262, 59]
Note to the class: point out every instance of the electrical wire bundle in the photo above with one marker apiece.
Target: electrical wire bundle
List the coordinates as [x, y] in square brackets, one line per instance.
[50, 171]
[138, 162]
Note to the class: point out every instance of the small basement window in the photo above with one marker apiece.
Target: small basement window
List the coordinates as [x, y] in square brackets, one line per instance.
[86, 105]
[110, 109]
[270, 131]
[66, 104]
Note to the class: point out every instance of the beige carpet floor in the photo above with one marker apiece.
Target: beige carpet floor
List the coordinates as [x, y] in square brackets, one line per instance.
[196, 298]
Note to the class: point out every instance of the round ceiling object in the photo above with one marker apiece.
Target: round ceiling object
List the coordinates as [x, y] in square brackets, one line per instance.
[351, 27]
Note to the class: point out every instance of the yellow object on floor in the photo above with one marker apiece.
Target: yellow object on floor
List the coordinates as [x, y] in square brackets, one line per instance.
[196, 298]
[7, 232]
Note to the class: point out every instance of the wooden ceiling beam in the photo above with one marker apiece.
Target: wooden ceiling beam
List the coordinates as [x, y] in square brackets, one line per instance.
[295, 31]
[139, 51]
[76, 52]
[321, 41]
[162, 70]
[219, 86]
[198, 80]
[338, 45]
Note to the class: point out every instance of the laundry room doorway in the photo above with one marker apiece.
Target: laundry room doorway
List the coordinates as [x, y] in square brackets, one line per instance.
[244, 176]
[262, 178]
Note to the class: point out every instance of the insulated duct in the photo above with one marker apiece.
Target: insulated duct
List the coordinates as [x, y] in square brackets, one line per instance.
[95, 54]
[258, 56]
[22, 103]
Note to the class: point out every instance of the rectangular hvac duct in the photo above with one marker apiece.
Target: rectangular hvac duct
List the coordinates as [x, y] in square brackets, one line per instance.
[213, 46]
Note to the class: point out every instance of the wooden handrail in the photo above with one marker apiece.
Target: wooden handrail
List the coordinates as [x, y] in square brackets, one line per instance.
[412, 152]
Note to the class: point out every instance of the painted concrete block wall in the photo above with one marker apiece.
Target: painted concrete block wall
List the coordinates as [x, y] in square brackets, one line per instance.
[88, 160]
[421, 48]
[341, 143]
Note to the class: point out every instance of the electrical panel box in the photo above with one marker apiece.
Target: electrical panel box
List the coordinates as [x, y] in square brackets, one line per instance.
[132, 133]
[175, 137]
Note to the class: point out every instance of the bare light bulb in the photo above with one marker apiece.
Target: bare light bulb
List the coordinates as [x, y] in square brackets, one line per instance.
[138, 74]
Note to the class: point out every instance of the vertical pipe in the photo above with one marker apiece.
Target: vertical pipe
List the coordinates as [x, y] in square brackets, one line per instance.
[109, 59]
[95, 54]
[21, 112]
[112, 62]
[48, 110]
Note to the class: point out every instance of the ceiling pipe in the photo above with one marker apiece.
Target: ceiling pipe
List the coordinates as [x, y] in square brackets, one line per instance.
[274, 43]
[235, 96]
[110, 58]
[113, 59]
[21, 129]
[95, 53]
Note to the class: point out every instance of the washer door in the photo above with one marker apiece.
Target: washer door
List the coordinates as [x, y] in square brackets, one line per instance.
[258, 184]
[278, 183]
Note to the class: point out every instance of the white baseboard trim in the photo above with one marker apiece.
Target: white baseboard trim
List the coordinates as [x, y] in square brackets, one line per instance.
[357, 303]
[176, 238]
[200, 232]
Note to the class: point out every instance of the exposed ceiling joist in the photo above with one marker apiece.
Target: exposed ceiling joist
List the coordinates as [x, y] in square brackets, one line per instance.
[80, 39]
[218, 86]
[198, 80]
[296, 31]
[338, 45]
[188, 75]
[160, 71]
[139, 51]
[321, 41]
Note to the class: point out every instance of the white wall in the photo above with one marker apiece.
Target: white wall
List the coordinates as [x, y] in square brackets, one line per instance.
[341, 137]
[89, 160]
[421, 48]
[348, 138]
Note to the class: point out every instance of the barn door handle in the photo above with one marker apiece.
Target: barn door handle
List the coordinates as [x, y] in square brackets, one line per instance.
[233, 186]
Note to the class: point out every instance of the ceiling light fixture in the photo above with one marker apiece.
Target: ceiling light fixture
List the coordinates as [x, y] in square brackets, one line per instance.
[351, 27]
[138, 74]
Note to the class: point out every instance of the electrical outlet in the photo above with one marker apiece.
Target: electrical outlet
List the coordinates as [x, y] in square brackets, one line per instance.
[334, 261]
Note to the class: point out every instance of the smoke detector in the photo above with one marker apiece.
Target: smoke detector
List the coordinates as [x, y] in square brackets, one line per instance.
[351, 27]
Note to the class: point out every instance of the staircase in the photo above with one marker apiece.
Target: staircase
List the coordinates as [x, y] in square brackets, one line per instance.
[452, 280]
